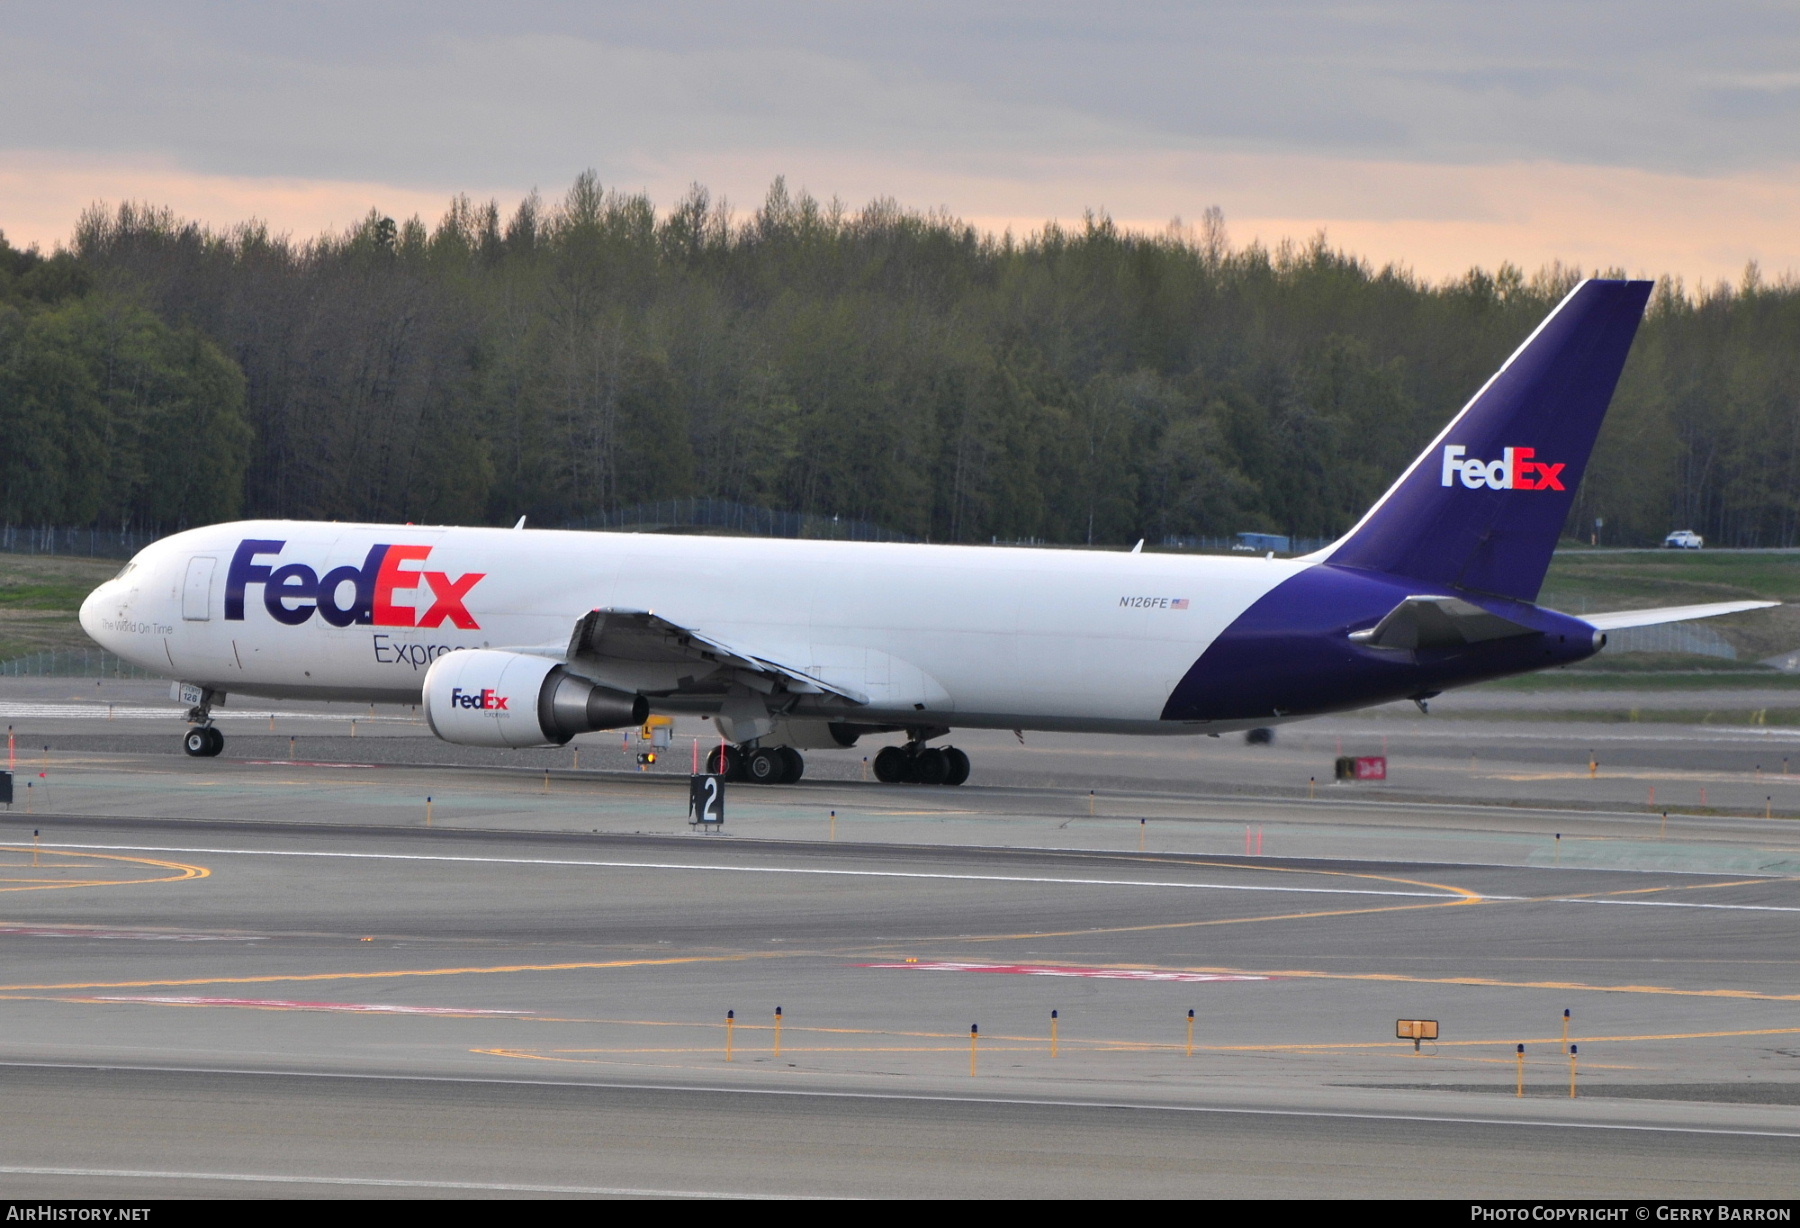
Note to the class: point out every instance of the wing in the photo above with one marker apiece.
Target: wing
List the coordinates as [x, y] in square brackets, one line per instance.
[1438, 622]
[1620, 619]
[642, 652]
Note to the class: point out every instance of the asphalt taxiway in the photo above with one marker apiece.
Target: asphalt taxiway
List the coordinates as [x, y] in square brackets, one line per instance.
[257, 975]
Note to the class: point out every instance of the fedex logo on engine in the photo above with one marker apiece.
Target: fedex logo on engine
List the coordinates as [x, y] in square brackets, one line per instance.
[1517, 469]
[365, 595]
[488, 700]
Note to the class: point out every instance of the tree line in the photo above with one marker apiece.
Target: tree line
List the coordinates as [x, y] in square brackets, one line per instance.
[1079, 385]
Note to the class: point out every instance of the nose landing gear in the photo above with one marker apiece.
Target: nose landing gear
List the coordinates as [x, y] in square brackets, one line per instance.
[916, 764]
[203, 741]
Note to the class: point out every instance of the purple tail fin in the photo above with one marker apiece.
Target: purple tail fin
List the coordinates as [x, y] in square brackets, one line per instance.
[1483, 506]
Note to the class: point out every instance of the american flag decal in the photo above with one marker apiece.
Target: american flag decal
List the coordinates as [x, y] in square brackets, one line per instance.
[1180, 603]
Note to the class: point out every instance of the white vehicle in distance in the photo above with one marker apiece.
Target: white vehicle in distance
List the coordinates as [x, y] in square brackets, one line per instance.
[1683, 539]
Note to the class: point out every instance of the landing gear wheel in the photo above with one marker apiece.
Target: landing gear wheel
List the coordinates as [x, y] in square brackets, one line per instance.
[766, 765]
[726, 761]
[959, 766]
[796, 766]
[203, 742]
[891, 765]
[931, 766]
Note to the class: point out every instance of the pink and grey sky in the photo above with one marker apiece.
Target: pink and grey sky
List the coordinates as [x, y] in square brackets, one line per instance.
[1652, 136]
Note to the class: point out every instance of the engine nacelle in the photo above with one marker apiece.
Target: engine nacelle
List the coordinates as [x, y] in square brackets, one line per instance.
[480, 697]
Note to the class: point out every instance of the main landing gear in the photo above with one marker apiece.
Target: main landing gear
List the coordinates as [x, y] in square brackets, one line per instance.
[765, 765]
[917, 764]
[203, 741]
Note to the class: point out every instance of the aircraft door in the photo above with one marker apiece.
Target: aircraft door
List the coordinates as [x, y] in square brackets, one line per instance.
[196, 593]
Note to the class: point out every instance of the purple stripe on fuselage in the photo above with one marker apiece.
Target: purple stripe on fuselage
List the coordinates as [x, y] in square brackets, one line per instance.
[1290, 654]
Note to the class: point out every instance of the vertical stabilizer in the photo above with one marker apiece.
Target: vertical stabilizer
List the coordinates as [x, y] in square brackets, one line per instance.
[1483, 506]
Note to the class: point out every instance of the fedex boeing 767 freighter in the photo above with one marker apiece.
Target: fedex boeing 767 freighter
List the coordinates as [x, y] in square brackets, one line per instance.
[515, 638]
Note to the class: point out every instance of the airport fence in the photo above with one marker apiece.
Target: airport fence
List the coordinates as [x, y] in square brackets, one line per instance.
[56, 539]
[74, 663]
[1218, 545]
[733, 517]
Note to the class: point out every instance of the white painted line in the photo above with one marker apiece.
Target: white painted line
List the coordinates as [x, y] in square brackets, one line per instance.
[143, 1174]
[685, 866]
[125, 712]
[904, 874]
[715, 1089]
[1684, 904]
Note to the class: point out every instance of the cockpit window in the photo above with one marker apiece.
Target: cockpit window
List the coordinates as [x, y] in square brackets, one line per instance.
[126, 570]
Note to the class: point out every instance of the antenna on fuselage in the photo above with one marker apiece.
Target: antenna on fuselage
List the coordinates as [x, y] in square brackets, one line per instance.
[521, 523]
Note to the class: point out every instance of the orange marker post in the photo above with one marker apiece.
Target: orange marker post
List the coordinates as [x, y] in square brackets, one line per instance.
[974, 1037]
[1571, 1072]
[34, 845]
[1190, 1048]
[730, 1023]
[834, 825]
[1566, 1030]
[778, 1031]
[1521, 1072]
[428, 811]
[1141, 826]
[1053, 1052]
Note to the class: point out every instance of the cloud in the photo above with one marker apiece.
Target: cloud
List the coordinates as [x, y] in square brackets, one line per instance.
[1659, 130]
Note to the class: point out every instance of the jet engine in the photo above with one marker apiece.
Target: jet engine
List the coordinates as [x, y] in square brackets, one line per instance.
[482, 697]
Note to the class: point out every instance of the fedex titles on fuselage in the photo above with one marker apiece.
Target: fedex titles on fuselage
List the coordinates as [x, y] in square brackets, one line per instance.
[294, 592]
[1515, 470]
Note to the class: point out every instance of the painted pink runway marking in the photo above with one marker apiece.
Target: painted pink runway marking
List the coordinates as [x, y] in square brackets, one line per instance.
[289, 1004]
[1108, 974]
[32, 931]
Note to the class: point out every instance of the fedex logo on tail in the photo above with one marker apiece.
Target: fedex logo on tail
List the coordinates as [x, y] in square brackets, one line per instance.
[294, 592]
[1517, 469]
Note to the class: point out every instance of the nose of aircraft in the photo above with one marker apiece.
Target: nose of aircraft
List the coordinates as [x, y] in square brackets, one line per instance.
[90, 612]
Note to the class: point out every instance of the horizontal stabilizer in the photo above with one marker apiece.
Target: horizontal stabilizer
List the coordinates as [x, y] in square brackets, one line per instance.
[1620, 619]
[1438, 622]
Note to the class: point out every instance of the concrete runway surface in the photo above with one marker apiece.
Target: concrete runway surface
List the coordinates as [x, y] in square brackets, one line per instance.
[253, 975]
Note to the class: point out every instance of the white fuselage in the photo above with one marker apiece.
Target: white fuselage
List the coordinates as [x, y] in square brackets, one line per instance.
[970, 636]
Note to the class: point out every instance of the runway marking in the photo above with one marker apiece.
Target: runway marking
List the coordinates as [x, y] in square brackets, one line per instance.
[393, 974]
[1490, 983]
[151, 1174]
[910, 1098]
[1453, 895]
[33, 931]
[957, 1042]
[1108, 974]
[1181, 925]
[25, 710]
[40, 883]
[288, 1004]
